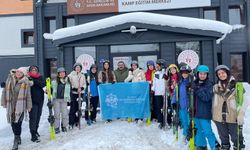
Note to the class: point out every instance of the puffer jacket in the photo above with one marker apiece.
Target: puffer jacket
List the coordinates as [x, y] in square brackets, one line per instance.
[77, 80]
[54, 85]
[159, 83]
[229, 96]
[136, 76]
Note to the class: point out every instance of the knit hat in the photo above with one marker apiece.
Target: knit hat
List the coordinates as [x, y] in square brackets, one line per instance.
[77, 64]
[23, 70]
[150, 63]
[61, 69]
[33, 67]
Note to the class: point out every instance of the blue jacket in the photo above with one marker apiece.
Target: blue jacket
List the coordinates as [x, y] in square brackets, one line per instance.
[183, 95]
[203, 94]
[93, 88]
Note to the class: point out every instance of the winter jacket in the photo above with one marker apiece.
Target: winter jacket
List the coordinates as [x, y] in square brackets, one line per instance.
[149, 75]
[37, 92]
[54, 85]
[103, 77]
[77, 81]
[229, 96]
[93, 86]
[16, 97]
[203, 94]
[171, 80]
[121, 75]
[136, 76]
[159, 84]
[183, 95]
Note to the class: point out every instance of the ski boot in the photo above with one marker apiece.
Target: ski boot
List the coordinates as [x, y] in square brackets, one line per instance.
[34, 138]
[57, 130]
[217, 145]
[64, 129]
[89, 122]
[17, 139]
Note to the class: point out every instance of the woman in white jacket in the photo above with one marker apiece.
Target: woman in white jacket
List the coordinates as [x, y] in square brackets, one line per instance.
[158, 87]
[135, 74]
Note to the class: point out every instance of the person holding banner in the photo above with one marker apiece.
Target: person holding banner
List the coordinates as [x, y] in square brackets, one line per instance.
[106, 75]
[78, 85]
[158, 88]
[135, 74]
[121, 73]
[203, 94]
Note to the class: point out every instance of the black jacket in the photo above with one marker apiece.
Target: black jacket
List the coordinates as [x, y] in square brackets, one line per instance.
[37, 93]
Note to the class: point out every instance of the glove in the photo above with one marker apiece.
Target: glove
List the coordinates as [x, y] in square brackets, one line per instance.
[49, 104]
[113, 82]
[240, 118]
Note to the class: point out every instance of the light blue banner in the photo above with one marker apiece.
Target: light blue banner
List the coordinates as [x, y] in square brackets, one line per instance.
[124, 100]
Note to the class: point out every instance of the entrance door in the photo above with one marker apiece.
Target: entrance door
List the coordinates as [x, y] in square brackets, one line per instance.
[139, 52]
[238, 66]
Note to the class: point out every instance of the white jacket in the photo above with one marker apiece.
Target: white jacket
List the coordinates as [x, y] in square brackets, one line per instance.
[136, 76]
[159, 83]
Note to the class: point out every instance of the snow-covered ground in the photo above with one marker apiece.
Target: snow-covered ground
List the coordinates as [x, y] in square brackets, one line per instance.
[117, 135]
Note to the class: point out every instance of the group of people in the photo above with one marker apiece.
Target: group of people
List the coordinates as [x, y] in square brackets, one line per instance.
[24, 92]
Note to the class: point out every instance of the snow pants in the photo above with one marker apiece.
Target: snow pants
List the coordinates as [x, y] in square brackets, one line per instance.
[226, 129]
[35, 116]
[184, 117]
[157, 106]
[203, 131]
[73, 118]
[61, 111]
[93, 103]
[17, 126]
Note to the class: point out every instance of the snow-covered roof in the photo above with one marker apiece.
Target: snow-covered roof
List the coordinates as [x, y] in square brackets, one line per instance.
[145, 18]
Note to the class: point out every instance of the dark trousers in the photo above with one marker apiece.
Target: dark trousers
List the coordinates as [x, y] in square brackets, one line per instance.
[73, 118]
[93, 105]
[157, 106]
[226, 129]
[35, 115]
[169, 111]
[17, 127]
[152, 104]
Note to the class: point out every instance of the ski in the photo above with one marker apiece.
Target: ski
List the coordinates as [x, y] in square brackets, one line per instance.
[239, 102]
[51, 117]
[79, 113]
[88, 109]
[191, 140]
[175, 114]
[164, 110]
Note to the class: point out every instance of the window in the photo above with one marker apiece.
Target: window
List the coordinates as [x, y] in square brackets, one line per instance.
[27, 37]
[236, 15]
[68, 22]
[238, 66]
[50, 25]
[90, 50]
[134, 48]
[210, 14]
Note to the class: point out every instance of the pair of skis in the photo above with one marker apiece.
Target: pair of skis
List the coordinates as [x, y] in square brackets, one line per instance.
[51, 117]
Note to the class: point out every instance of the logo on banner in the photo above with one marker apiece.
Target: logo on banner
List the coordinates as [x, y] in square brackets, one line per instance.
[111, 100]
[86, 61]
[189, 57]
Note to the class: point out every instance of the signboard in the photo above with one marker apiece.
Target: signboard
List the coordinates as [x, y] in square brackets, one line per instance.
[86, 61]
[189, 57]
[105, 6]
[127, 61]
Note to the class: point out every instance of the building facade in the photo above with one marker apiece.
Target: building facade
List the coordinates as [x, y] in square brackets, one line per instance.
[148, 42]
[16, 35]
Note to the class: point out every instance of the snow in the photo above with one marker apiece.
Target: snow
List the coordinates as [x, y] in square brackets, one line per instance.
[146, 18]
[117, 135]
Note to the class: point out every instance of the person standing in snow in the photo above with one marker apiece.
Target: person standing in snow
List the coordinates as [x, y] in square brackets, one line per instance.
[93, 91]
[135, 74]
[183, 98]
[16, 98]
[106, 75]
[224, 109]
[158, 89]
[78, 85]
[61, 96]
[172, 78]
[203, 94]
[37, 95]
[121, 72]
[149, 75]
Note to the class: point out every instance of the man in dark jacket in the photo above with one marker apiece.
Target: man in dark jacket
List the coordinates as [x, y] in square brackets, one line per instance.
[121, 72]
[37, 96]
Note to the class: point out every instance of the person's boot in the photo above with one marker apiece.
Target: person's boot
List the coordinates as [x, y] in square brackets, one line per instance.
[201, 148]
[64, 129]
[225, 147]
[18, 139]
[15, 143]
[34, 138]
[57, 130]
[217, 145]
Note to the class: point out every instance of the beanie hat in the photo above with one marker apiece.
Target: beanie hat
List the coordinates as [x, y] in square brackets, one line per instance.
[23, 70]
[77, 64]
[61, 69]
[33, 67]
